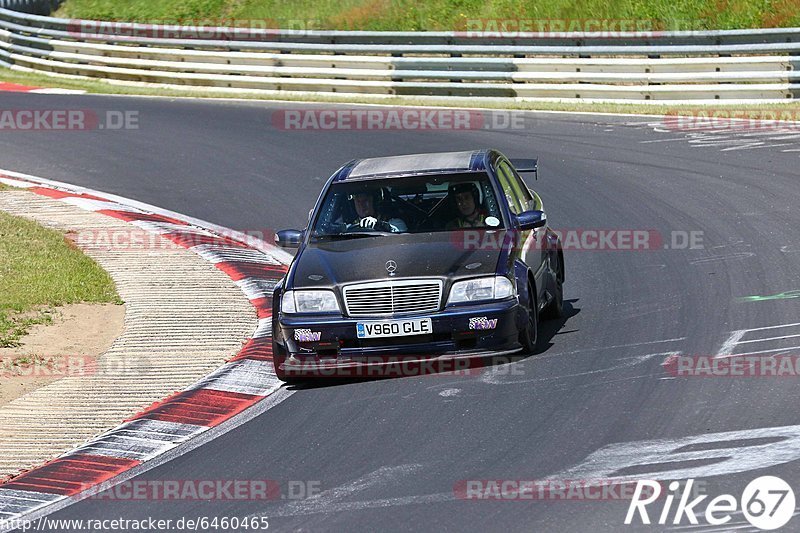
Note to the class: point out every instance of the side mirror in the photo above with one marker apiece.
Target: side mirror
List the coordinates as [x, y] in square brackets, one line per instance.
[288, 238]
[531, 220]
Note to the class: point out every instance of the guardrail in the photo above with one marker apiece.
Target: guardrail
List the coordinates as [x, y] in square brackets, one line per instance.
[753, 65]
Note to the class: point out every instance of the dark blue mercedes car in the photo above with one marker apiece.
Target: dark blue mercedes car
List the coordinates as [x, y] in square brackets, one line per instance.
[414, 260]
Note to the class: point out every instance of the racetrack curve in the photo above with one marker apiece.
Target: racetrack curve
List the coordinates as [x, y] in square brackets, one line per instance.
[388, 453]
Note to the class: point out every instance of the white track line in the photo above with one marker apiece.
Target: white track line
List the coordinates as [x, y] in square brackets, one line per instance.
[774, 350]
[770, 339]
[774, 327]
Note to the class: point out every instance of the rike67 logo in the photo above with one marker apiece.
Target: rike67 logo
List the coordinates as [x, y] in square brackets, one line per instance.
[766, 503]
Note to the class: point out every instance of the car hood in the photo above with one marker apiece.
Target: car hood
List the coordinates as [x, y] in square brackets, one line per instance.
[422, 254]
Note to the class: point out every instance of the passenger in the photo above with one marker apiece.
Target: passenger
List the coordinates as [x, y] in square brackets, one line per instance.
[470, 212]
[369, 217]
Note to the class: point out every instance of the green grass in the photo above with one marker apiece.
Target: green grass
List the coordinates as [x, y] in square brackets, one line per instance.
[443, 14]
[43, 80]
[40, 270]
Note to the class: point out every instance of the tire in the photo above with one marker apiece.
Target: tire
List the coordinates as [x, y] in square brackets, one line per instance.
[555, 309]
[528, 337]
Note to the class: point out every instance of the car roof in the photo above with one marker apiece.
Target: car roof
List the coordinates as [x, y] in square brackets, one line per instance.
[414, 164]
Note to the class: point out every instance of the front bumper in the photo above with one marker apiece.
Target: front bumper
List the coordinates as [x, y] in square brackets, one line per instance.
[329, 344]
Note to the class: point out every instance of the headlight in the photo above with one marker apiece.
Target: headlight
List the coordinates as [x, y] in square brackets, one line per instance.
[310, 301]
[474, 290]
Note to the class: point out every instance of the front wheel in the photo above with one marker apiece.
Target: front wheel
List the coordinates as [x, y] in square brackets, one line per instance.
[529, 335]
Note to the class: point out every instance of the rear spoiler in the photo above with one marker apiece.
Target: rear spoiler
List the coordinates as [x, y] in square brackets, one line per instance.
[525, 166]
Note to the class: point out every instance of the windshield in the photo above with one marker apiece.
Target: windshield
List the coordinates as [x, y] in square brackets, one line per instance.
[419, 204]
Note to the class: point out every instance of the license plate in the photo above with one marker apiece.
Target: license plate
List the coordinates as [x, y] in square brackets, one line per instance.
[394, 328]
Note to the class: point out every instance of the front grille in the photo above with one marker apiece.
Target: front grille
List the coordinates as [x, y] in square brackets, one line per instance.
[393, 297]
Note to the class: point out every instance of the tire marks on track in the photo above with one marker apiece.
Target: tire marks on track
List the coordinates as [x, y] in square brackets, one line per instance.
[784, 139]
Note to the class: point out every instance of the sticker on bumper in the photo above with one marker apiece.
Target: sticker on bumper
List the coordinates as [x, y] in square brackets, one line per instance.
[306, 335]
[481, 323]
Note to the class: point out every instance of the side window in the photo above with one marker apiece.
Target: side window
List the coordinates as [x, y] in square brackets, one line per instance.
[536, 203]
[526, 199]
[507, 182]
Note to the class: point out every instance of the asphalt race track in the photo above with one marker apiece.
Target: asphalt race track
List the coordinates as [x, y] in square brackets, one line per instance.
[387, 454]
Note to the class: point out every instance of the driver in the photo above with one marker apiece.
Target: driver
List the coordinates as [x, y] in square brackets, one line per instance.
[368, 216]
[470, 213]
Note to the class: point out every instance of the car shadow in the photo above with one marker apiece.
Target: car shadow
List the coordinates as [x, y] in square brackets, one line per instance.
[548, 329]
